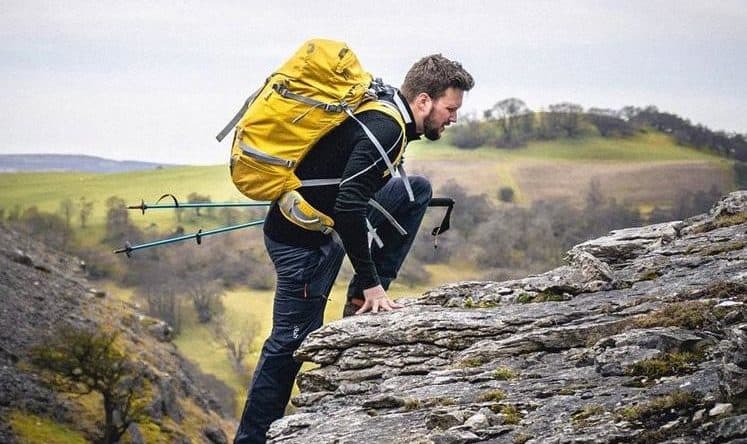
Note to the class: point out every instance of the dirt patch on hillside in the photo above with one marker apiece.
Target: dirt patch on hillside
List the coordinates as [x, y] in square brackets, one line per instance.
[638, 183]
[476, 176]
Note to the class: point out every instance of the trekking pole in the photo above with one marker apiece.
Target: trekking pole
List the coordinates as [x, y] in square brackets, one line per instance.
[143, 206]
[128, 249]
[446, 221]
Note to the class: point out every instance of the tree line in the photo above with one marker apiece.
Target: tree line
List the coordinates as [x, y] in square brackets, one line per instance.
[510, 124]
[507, 241]
[489, 234]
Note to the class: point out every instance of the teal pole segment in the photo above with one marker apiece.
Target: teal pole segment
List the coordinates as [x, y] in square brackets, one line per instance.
[143, 206]
[128, 249]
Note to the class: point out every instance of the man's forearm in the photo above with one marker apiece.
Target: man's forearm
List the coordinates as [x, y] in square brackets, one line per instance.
[351, 226]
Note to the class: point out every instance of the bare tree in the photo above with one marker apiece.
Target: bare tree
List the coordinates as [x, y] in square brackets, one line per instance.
[85, 208]
[67, 207]
[199, 198]
[48, 227]
[163, 303]
[594, 196]
[237, 341]
[118, 225]
[206, 297]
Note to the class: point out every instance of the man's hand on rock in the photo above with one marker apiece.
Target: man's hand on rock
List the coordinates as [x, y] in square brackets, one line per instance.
[375, 299]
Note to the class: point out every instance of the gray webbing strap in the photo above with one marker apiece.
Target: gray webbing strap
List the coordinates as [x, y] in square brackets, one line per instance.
[222, 135]
[376, 143]
[372, 236]
[406, 181]
[388, 217]
[402, 108]
[329, 107]
[264, 157]
[320, 182]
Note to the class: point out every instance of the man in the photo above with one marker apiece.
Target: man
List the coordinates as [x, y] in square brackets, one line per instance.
[307, 262]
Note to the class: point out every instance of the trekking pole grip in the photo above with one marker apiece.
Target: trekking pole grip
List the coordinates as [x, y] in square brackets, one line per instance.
[446, 222]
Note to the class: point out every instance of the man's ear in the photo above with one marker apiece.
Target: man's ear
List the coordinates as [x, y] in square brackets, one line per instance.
[423, 103]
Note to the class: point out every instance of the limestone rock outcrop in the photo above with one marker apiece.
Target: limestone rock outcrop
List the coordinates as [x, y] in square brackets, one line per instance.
[641, 337]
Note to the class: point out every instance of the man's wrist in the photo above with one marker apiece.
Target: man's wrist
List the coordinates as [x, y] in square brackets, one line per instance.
[369, 283]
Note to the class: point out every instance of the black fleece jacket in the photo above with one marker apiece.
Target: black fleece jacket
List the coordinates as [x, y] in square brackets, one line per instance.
[348, 153]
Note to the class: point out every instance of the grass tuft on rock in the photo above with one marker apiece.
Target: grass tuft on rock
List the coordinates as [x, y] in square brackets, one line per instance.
[549, 295]
[689, 314]
[725, 247]
[662, 406]
[669, 364]
[726, 290]
[492, 395]
[580, 417]
[470, 303]
[511, 414]
[411, 404]
[471, 362]
[504, 374]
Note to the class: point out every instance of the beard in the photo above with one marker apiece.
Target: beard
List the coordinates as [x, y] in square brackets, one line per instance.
[430, 129]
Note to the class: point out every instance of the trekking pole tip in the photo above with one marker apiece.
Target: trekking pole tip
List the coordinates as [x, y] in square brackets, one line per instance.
[142, 207]
[127, 250]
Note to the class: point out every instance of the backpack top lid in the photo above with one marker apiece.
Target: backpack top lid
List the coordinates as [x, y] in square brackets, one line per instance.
[330, 67]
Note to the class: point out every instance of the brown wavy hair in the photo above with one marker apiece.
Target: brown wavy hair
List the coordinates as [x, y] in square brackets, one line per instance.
[433, 75]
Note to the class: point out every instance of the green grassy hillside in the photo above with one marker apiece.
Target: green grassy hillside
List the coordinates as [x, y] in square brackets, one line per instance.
[47, 190]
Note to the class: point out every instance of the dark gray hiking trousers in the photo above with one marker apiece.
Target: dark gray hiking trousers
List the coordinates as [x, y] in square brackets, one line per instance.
[304, 279]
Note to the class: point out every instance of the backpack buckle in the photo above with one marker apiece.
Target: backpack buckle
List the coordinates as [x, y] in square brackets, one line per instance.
[332, 108]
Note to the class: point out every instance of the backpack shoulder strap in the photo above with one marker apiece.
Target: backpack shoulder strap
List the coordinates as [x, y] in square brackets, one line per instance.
[399, 114]
[391, 111]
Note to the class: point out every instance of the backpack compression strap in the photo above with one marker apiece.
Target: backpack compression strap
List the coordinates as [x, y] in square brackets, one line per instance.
[222, 134]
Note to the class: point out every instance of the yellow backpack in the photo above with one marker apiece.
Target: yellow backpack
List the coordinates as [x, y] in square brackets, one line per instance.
[319, 87]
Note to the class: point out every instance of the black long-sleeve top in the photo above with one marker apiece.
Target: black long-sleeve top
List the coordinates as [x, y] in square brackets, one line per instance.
[345, 152]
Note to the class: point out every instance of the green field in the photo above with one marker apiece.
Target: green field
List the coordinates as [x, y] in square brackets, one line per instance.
[47, 190]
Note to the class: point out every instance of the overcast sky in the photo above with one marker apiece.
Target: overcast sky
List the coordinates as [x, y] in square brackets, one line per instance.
[156, 81]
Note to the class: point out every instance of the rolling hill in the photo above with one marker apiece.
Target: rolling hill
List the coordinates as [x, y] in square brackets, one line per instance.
[10, 163]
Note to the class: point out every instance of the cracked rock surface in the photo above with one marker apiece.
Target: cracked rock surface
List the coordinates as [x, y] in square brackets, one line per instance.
[641, 337]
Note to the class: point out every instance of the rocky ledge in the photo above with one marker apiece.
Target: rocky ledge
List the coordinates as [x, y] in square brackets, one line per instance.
[641, 337]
